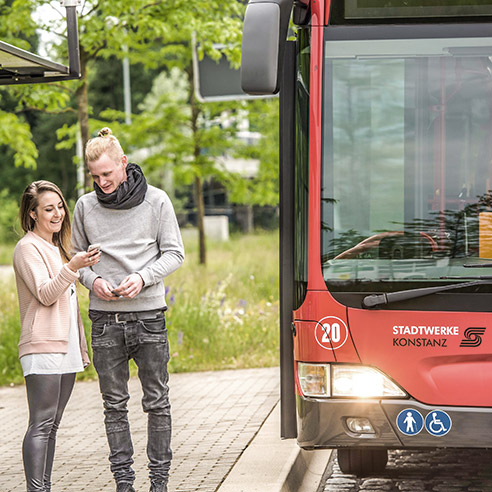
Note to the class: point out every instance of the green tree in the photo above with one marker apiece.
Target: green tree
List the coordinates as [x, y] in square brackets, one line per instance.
[160, 34]
[16, 27]
[262, 190]
[20, 107]
[188, 134]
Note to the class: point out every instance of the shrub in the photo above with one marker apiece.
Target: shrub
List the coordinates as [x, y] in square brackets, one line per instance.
[10, 368]
[9, 222]
[223, 315]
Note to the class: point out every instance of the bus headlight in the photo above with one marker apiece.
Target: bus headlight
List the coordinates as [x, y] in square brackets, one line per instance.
[314, 379]
[346, 381]
[362, 382]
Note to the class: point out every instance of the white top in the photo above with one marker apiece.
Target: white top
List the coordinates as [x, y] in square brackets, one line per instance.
[57, 363]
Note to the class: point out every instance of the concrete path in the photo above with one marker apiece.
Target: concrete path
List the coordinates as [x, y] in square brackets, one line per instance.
[215, 417]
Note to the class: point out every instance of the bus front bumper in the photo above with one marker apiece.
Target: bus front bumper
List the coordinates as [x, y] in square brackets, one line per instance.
[325, 423]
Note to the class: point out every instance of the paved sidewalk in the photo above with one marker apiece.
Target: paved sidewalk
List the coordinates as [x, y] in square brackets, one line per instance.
[215, 416]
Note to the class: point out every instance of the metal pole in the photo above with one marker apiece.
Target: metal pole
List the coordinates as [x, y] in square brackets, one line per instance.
[72, 36]
[127, 88]
[80, 165]
[288, 424]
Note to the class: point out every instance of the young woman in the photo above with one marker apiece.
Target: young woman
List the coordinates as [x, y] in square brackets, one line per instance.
[52, 346]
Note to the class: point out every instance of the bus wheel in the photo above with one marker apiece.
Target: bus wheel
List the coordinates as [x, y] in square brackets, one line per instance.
[362, 462]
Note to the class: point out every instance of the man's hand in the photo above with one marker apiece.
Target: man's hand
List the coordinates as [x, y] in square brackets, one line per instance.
[130, 286]
[104, 290]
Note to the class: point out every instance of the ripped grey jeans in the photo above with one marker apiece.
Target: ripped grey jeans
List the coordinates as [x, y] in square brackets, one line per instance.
[117, 338]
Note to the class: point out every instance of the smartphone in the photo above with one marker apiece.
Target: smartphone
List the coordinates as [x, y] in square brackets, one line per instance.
[95, 246]
[116, 294]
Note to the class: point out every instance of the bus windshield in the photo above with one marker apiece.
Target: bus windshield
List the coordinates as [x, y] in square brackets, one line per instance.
[407, 160]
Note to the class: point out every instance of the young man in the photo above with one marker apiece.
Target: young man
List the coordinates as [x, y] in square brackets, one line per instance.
[136, 228]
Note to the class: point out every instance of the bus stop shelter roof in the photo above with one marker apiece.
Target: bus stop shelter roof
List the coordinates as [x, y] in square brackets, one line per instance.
[19, 66]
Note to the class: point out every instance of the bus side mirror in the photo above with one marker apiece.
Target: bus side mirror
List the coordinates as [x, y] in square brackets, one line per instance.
[264, 38]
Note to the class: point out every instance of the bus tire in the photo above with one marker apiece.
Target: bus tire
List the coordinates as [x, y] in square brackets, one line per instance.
[362, 462]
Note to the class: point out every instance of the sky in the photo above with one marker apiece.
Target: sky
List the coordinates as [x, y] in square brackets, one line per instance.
[45, 14]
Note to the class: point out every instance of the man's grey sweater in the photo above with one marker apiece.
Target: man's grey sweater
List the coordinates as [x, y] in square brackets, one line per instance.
[144, 239]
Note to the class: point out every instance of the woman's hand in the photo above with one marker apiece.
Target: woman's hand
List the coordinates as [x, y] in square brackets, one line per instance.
[84, 259]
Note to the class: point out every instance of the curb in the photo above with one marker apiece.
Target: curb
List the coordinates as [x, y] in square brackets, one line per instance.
[270, 463]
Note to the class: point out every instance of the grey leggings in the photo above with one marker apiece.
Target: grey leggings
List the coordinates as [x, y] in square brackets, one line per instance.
[47, 397]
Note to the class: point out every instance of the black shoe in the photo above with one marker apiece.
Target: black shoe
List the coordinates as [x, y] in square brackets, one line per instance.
[158, 487]
[124, 487]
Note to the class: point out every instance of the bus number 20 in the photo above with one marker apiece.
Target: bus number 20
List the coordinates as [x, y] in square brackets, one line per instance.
[332, 331]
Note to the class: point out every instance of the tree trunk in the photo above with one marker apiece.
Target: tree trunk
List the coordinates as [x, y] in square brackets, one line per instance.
[197, 150]
[200, 213]
[83, 113]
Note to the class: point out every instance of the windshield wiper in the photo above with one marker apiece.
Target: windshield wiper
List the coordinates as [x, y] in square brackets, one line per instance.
[468, 277]
[379, 299]
[478, 265]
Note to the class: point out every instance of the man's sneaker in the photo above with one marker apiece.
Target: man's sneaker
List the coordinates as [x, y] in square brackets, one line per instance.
[158, 487]
[124, 487]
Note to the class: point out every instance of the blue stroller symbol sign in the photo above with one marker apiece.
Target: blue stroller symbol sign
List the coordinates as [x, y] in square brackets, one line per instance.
[410, 422]
[438, 423]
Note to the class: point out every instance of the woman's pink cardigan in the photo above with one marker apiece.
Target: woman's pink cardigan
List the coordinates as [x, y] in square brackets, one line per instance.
[44, 298]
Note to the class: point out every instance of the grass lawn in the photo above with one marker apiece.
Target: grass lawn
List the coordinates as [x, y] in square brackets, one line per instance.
[222, 315]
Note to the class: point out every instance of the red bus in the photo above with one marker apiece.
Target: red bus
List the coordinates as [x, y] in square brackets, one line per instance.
[386, 220]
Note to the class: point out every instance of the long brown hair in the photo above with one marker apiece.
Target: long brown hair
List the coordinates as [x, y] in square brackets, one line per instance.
[29, 203]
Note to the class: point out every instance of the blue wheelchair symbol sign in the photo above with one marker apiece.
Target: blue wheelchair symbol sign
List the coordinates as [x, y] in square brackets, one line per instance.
[438, 423]
[410, 422]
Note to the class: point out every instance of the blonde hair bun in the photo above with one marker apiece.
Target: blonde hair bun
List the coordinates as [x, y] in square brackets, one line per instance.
[105, 142]
[105, 132]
